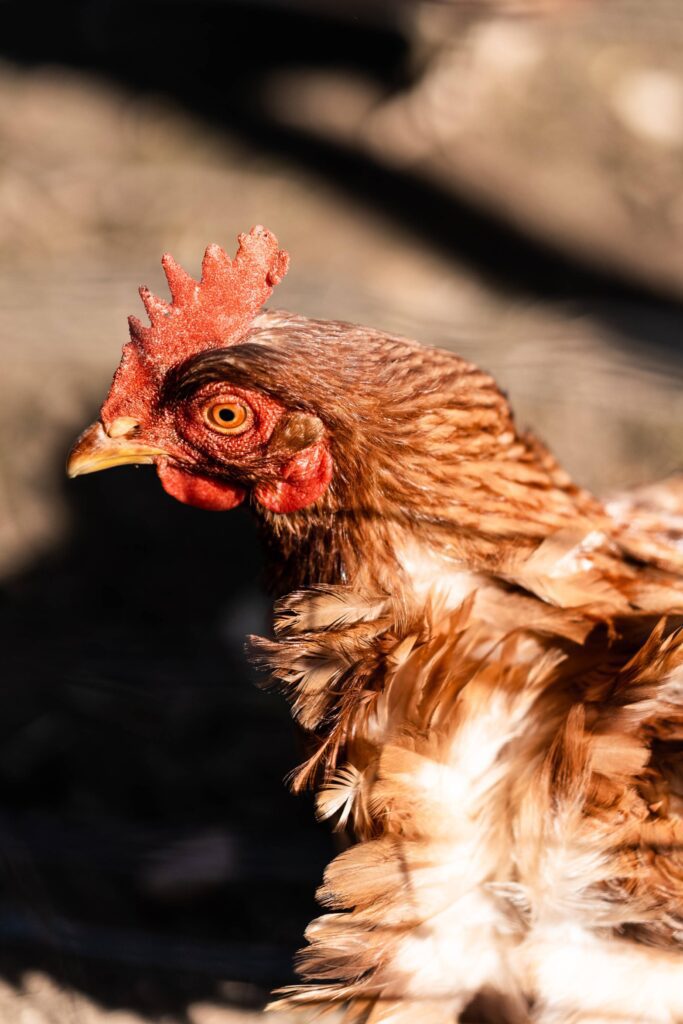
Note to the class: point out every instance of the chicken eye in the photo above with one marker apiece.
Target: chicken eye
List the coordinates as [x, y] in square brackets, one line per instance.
[231, 417]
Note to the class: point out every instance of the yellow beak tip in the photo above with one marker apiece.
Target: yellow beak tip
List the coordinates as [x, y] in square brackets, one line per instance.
[95, 450]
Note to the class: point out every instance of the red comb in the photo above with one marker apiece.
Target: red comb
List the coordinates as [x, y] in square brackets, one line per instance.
[210, 313]
[216, 310]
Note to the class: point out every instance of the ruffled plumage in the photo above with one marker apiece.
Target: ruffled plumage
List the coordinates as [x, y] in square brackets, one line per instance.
[512, 768]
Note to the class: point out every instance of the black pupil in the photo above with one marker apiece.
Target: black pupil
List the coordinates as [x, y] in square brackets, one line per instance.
[226, 415]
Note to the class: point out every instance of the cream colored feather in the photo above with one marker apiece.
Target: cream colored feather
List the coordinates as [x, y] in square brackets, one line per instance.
[502, 768]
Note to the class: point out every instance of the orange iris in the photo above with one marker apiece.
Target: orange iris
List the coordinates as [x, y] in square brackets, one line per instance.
[228, 417]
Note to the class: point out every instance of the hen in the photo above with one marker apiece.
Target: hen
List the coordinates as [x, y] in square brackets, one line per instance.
[488, 659]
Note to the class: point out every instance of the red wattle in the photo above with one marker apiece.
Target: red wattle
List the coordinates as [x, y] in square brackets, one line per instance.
[201, 491]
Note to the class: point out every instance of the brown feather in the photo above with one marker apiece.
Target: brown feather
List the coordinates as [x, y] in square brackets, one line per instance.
[490, 662]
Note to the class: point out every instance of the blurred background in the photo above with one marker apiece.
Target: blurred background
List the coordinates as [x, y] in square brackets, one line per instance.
[503, 179]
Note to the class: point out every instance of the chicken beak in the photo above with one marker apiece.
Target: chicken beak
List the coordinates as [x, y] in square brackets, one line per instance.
[95, 450]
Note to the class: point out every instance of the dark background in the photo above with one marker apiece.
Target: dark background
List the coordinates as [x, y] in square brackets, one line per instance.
[503, 179]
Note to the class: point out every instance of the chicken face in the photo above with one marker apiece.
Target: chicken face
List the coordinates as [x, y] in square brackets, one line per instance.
[377, 445]
[211, 440]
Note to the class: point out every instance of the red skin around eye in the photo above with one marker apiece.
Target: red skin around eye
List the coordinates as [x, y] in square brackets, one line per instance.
[223, 446]
[303, 479]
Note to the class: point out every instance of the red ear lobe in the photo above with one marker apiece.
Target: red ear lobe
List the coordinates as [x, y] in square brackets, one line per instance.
[304, 479]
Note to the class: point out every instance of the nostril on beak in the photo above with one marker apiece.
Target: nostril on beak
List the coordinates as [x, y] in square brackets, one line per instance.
[121, 427]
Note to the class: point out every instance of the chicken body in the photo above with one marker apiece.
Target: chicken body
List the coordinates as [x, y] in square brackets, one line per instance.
[487, 658]
[492, 672]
